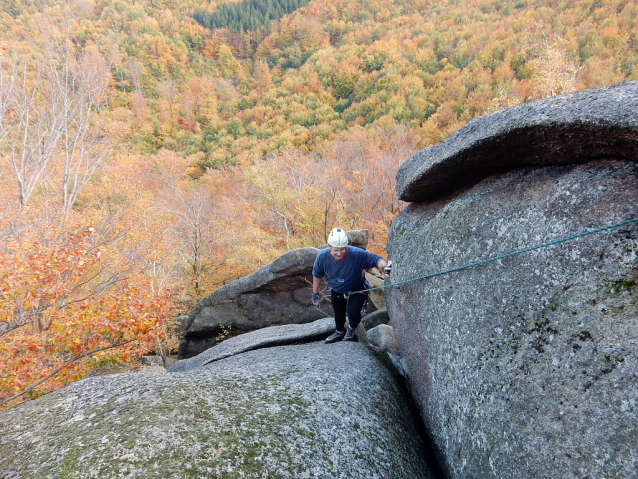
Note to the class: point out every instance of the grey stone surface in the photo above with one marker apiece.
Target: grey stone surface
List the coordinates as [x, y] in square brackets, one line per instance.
[358, 238]
[278, 293]
[375, 318]
[526, 367]
[361, 335]
[399, 364]
[307, 411]
[377, 296]
[262, 338]
[157, 360]
[560, 130]
[383, 336]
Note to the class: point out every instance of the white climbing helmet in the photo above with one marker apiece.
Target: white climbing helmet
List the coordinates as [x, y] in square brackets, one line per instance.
[338, 238]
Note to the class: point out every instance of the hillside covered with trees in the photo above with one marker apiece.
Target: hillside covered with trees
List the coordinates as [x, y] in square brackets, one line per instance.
[151, 151]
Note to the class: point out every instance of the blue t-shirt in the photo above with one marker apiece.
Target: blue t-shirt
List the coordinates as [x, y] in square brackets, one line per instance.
[345, 275]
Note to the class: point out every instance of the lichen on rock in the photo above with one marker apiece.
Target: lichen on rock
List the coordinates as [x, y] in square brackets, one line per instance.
[525, 366]
[311, 410]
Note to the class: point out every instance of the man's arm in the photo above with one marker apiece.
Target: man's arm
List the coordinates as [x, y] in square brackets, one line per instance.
[372, 260]
[316, 282]
[318, 274]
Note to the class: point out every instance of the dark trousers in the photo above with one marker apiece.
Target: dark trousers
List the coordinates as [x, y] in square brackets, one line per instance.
[352, 306]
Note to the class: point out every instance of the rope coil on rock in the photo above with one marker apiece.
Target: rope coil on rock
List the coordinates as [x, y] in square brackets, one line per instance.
[526, 250]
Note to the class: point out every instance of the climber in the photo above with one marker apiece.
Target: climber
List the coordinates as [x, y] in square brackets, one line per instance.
[343, 266]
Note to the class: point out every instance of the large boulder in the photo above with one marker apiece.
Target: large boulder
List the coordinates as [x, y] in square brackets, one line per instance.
[358, 238]
[562, 130]
[527, 366]
[278, 293]
[305, 411]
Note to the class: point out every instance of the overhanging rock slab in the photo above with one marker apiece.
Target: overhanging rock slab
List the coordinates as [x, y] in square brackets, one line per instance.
[561, 130]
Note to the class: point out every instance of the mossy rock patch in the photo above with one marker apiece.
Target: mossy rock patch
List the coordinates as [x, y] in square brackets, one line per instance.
[311, 410]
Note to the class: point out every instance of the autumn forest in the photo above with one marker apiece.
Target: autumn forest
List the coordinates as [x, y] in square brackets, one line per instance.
[154, 150]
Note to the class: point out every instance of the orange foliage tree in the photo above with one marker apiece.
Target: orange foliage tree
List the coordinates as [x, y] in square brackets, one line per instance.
[63, 312]
[349, 184]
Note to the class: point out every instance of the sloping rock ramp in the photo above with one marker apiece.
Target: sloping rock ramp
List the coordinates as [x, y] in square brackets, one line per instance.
[262, 338]
[305, 411]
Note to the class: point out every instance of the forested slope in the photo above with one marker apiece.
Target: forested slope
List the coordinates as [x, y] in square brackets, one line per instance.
[331, 66]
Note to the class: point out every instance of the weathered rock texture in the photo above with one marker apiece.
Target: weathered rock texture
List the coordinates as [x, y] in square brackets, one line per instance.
[383, 337]
[526, 367]
[358, 238]
[263, 338]
[278, 293]
[375, 318]
[307, 411]
[562, 130]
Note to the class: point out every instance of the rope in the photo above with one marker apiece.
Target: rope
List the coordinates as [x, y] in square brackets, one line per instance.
[526, 250]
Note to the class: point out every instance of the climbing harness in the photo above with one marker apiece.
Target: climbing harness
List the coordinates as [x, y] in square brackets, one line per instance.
[526, 250]
[364, 308]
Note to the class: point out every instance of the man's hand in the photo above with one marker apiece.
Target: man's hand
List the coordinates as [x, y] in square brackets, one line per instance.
[387, 269]
[315, 299]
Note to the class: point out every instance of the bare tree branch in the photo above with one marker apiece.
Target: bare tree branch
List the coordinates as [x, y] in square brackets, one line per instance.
[53, 125]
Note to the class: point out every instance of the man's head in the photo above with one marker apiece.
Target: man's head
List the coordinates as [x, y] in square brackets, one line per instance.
[337, 241]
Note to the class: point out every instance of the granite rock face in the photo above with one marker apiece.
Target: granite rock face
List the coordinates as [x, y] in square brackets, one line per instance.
[306, 411]
[262, 338]
[278, 293]
[561, 130]
[383, 337]
[527, 366]
[375, 318]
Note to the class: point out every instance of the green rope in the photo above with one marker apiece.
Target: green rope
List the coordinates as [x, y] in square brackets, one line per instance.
[526, 250]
